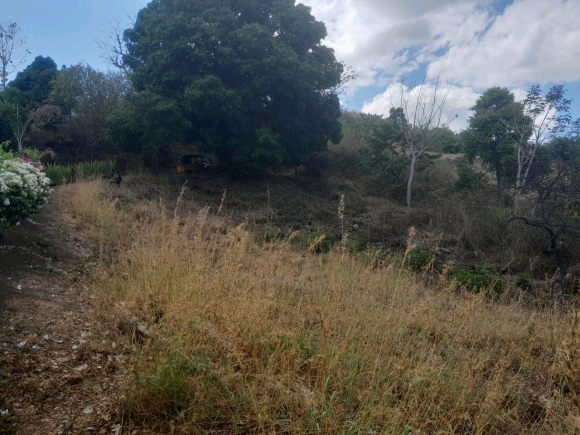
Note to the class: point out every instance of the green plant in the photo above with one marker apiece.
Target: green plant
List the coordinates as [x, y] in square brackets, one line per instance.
[23, 189]
[32, 153]
[420, 259]
[478, 278]
[4, 153]
[469, 179]
[60, 174]
[319, 241]
[524, 281]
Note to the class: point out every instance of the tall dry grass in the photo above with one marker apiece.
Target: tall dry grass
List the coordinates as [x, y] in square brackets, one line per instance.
[250, 338]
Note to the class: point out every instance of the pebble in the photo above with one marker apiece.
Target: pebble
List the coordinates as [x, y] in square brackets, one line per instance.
[88, 410]
[4, 413]
[21, 344]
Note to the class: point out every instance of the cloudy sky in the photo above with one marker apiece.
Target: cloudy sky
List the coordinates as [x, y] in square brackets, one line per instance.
[470, 45]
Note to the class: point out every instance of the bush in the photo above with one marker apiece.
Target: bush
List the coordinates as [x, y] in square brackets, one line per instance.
[319, 241]
[478, 278]
[469, 179]
[524, 281]
[419, 259]
[23, 189]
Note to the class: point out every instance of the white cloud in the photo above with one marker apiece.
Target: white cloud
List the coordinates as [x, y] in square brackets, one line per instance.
[464, 41]
[533, 41]
[381, 38]
[456, 109]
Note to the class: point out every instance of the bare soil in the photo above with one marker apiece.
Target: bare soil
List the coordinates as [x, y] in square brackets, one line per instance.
[60, 372]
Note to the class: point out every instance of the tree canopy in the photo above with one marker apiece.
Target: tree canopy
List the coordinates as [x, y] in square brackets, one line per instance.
[490, 135]
[250, 79]
[31, 87]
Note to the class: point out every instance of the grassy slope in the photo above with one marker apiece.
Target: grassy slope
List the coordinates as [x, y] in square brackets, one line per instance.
[265, 338]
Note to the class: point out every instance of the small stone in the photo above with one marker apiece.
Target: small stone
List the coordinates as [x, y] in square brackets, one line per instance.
[4, 413]
[46, 337]
[88, 410]
[21, 344]
[35, 347]
[113, 345]
[19, 287]
[75, 347]
[61, 360]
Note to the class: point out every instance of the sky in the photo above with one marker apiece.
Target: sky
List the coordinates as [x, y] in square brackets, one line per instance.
[467, 45]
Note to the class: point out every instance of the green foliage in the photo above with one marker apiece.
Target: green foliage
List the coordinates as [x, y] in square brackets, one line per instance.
[167, 383]
[23, 190]
[5, 154]
[489, 136]
[355, 246]
[87, 97]
[32, 86]
[62, 174]
[249, 83]
[524, 281]
[418, 259]
[32, 153]
[319, 241]
[445, 141]
[469, 179]
[478, 278]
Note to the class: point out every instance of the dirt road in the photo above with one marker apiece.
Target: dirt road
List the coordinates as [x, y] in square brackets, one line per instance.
[60, 369]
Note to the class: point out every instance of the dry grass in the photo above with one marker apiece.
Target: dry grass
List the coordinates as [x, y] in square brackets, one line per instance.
[250, 338]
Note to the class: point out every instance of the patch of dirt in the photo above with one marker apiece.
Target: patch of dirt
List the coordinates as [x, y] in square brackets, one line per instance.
[60, 372]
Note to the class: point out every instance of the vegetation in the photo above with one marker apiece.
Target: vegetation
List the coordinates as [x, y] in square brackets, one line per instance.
[23, 189]
[264, 337]
[62, 174]
[437, 299]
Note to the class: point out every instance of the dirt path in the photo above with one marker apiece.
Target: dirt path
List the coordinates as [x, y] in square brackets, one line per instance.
[59, 368]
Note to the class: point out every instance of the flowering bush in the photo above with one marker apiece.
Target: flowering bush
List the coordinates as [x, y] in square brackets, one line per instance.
[23, 189]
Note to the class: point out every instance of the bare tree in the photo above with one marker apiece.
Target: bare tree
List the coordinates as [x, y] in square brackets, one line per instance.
[12, 51]
[112, 45]
[422, 109]
[544, 117]
[45, 111]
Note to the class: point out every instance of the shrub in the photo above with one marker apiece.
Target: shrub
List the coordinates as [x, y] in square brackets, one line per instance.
[421, 259]
[319, 241]
[23, 189]
[478, 278]
[524, 281]
[469, 179]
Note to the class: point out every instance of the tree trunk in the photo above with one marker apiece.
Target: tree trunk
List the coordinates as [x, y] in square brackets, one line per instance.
[411, 175]
[518, 181]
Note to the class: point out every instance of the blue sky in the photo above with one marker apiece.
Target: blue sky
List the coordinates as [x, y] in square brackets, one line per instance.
[470, 44]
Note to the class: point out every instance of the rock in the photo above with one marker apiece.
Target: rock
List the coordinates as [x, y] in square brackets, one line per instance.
[88, 410]
[4, 413]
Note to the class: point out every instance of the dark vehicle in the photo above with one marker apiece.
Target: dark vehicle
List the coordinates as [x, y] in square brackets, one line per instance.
[192, 163]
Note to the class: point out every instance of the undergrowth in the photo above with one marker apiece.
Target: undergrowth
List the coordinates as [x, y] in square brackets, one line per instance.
[252, 337]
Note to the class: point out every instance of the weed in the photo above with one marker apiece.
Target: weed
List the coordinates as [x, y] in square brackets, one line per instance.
[524, 281]
[478, 278]
[269, 338]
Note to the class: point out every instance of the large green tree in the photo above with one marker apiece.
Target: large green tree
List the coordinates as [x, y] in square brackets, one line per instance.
[86, 98]
[32, 86]
[251, 79]
[491, 135]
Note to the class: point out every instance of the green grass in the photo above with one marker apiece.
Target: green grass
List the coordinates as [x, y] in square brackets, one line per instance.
[62, 174]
